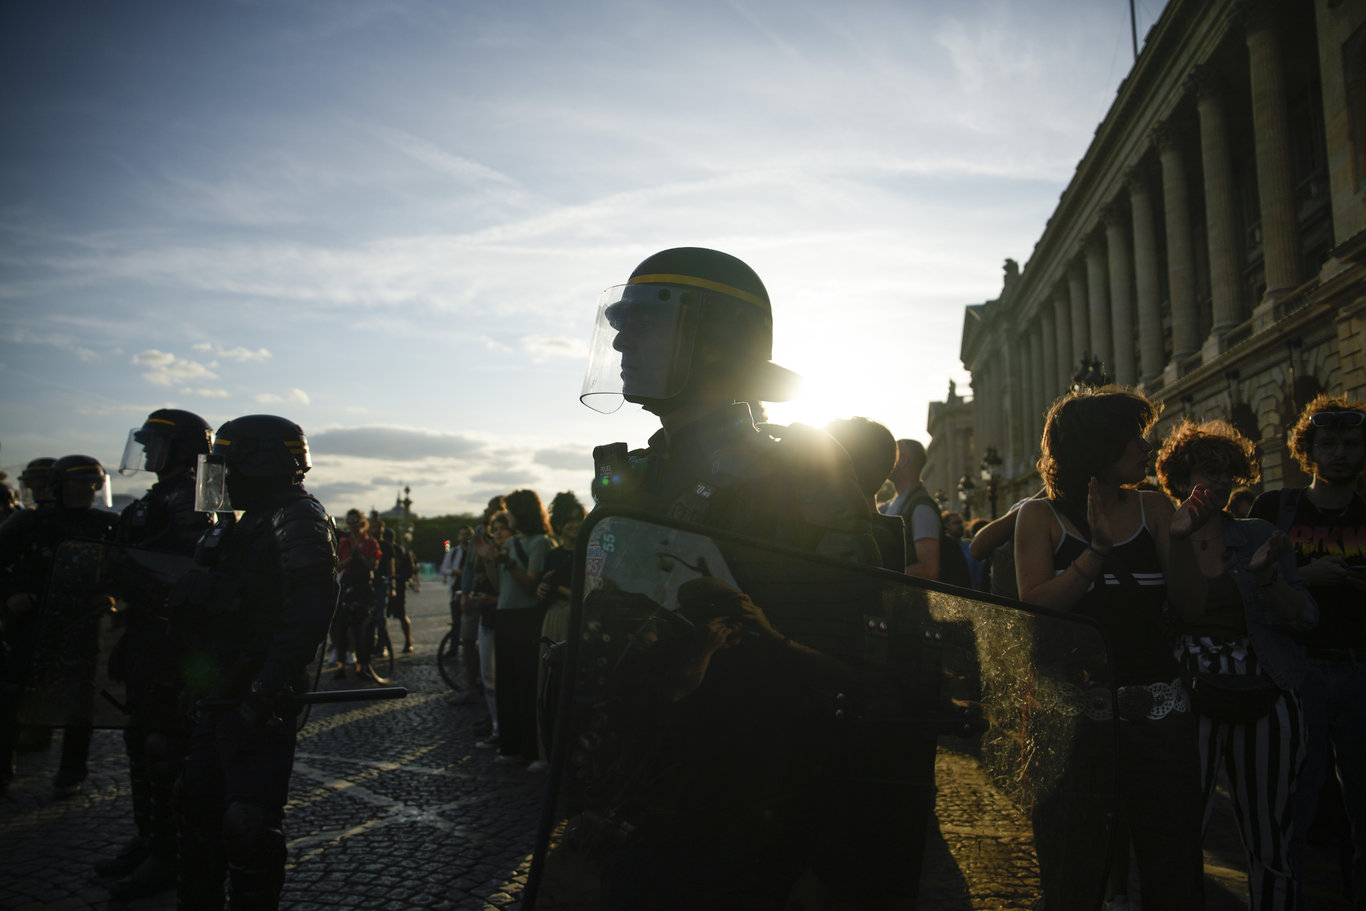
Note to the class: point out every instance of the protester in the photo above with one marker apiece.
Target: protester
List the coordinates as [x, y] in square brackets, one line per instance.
[873, 451]
[1100, 548]
[398, 595]
[358, 555]
[521, 562]
[1246, 670]
[1326, 524]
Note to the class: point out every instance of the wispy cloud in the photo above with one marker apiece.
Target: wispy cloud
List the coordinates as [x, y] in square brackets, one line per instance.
[52, 340]
[396, 444]
[565, 458]
[164, 369]
[295, 396]
[509, 478]
[207, 393]
[543, 346]
[234, 354]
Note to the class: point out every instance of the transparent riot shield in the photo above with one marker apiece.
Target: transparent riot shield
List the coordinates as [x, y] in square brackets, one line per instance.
[97, 653]
[742, 725]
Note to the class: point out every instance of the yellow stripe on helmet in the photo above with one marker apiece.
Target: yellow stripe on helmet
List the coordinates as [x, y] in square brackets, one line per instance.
[695, 282]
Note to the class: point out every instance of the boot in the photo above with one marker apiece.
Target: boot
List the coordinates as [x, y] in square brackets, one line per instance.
[128, 859]
[155, 874]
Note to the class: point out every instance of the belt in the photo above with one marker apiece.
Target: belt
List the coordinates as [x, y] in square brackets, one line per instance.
[1335, 654]
[1151, 702]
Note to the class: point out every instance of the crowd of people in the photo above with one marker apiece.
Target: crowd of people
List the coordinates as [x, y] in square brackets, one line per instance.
[509, 598]
[1236, 634]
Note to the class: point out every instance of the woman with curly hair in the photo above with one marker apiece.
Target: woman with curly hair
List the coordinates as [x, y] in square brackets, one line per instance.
[1101, 548]
[1254, 598]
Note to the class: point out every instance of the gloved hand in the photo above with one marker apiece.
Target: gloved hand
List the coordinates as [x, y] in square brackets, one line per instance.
[264, 708]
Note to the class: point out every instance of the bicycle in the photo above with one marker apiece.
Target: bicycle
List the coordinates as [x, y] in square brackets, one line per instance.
[448, 659]
[374, 649]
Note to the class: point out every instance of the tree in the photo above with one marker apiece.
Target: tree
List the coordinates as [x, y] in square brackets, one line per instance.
[430, 533]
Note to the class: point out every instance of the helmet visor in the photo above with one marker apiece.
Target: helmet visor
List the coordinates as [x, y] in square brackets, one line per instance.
[211, 485]
[642, 345]
[134, 455]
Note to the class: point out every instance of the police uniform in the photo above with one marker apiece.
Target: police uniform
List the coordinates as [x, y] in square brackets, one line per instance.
[29, 544]
[250, 619]
[163, 521]
[714, 821]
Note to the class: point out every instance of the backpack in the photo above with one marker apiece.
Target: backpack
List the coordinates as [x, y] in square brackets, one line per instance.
[953, 566]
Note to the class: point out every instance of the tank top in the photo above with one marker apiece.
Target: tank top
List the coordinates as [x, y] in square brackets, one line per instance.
[1132, 618]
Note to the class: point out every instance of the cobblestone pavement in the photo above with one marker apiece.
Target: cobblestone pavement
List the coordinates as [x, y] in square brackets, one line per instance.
[393, 807]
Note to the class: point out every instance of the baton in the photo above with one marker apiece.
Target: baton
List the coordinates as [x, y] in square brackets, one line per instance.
[319, 697]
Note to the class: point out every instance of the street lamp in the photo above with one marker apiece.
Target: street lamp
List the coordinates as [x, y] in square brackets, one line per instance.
[991, 475]
[965, 492]
[407, 504]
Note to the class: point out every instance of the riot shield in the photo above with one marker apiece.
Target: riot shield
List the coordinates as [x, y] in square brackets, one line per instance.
[742, 725]
[97, 652]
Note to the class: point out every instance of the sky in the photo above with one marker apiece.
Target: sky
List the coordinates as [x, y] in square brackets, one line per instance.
[390, 222]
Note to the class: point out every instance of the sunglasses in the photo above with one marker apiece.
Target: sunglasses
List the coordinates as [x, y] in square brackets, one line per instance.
[1338, 419]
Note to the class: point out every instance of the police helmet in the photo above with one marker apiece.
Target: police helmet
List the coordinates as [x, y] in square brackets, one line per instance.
[73, 475]
[262, 446]
[35, 482]
[168, 436]
[676, 303]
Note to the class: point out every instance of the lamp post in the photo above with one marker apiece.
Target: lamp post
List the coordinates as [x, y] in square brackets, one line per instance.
[965, 491]
[991, 476]
[407, 504]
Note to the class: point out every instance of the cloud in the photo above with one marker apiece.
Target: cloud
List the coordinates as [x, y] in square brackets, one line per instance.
[397, 444]
[207, 393]
[565, 458]
[334, 490]
[243, 355]
[53, 340]
[296, 396]
[543, 346]
[166, 369]
[509, 477]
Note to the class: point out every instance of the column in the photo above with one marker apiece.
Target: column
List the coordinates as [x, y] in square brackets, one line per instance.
[1033, 421]
[1098, 300]
[1180, 246]
[1271, 133]
[1048, 387]
[1062, 321]
[1221, 222]
[1121, 264]
[1081, 320]
[1147, 289]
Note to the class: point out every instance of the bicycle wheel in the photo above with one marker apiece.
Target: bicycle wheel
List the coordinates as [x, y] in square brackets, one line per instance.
[377, 658]
[448, 660]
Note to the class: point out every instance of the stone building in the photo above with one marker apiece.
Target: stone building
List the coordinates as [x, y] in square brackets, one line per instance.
[1211, 247]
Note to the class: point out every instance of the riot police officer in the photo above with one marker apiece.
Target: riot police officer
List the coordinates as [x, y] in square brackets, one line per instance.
[250, 619]
[163, 521]
[689, 339]
[35, 483]
[29, 542]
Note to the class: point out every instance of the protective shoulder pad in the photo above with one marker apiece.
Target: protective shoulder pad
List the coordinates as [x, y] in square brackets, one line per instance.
[304, 536]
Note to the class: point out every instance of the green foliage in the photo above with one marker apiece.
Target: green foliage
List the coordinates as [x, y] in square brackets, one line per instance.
[429, 533]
